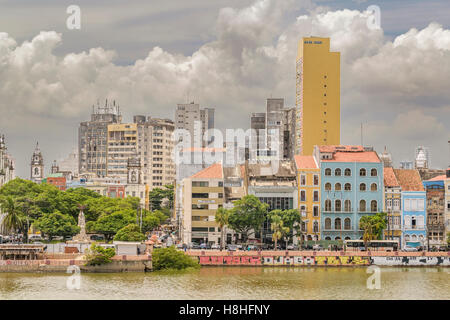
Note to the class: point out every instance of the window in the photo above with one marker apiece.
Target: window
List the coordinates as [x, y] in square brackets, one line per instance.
[389, 203]
[407, 204]
[328, 172]
[337, 224]
[347, 206]
[373, 206]
[373, 187]
[362, 206]
[347, 172]
[328, 223]
[302, 195]
[362, 187]
[420, 203]
[200, 195]
[316, 179]
[337, 187]
[347, 187]
[337, 205]
[198, 183]
[303, 180]
[373, 172]
[303, 210]
[316, 196]
[362, 172]
[328, 186]
[328, 205]
[347, 224]
[337, 172]
[315, 227]
[220, 183]
[315, 211]
[220, 195]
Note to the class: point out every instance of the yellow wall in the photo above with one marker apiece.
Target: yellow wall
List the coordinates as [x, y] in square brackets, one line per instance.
[309, 188]
[318, 62]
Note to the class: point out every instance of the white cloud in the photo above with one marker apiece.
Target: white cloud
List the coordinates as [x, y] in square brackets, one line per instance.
[387, 84]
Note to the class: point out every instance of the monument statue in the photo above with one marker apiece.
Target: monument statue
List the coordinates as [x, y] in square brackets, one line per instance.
[82, 236]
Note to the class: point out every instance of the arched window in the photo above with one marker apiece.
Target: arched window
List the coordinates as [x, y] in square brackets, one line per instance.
[337, 172]
[407, 237]
[328, 223]
[362, 187]
[347, 172]
[414, 238]
[362, 206]
[337, 238]
[309, 238]
[337, 187]
[348, 187]
[328, 186]
[373, 206]
[373, 172]
[315, 226]
[327, 238]
[337, 205]
[337, 224]
[347, 224]
[373, 187]
[347, 206]
[348, 238]
[328, 205]
[362, 172]
[328, 172]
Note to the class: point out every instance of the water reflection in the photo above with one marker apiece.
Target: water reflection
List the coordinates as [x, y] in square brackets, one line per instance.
[235, 283]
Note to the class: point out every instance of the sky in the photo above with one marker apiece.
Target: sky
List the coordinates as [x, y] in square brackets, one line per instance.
[227, 54]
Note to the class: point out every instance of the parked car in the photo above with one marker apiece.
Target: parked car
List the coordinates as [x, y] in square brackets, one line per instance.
[292, 247]
[205, 246]
[444, 249]
[239, 246]
[215, 247]
[195, 246]
[410, 249]
[252, 247]
[231, 247]
[97, 237]
[317, 247]
[35, 237]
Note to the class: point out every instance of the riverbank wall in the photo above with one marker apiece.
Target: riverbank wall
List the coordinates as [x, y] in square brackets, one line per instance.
[119, 264]
[319, 258]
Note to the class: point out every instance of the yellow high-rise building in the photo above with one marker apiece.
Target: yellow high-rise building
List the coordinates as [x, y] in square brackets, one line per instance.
[317, 95]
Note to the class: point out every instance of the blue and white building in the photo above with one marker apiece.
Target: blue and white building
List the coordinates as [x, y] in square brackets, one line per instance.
[351, 187]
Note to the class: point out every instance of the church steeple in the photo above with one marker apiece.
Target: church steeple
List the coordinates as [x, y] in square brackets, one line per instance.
[37, 165]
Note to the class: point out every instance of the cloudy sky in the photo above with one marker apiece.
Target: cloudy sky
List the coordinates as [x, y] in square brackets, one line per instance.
[226, 54]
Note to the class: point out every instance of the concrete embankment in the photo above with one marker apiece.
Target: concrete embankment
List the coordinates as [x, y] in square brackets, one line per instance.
[119, 264]
[319, 258]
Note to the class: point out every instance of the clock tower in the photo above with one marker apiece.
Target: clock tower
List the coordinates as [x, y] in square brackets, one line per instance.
[37, 165]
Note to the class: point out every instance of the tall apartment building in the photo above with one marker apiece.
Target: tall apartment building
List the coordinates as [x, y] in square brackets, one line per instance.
[274, 131]
[154, 149]
[317, 95]
[122, 144]
[92, 139]
[6, 163]
[186, 117]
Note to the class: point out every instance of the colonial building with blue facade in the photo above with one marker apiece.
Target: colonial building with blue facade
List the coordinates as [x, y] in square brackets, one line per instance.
[414, 210]
[351, 187]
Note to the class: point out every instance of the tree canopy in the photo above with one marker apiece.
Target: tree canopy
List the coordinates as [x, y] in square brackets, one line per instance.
[130, 232]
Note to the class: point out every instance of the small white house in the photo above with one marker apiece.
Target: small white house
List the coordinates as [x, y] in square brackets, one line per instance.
[126, 248]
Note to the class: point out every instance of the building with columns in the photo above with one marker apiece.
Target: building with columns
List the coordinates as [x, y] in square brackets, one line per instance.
[37, 165]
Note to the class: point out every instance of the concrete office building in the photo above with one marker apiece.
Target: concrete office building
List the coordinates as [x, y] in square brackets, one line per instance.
[197, 121]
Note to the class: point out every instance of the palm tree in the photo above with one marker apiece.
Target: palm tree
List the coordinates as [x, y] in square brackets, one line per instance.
[366, 224]
[278, 230]
[221, 218]
[12, 220]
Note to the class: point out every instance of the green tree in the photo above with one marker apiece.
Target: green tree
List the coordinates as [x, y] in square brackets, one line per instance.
[291, 218]
[221, 218]
[97, 255]
[129, 233]
[12, 220]
[157, 195]
[247, 215]
[110, 224]
[170, 258]
[448, 239]
[149, 223]
[278, 229]
[372, 226]
[57, 224]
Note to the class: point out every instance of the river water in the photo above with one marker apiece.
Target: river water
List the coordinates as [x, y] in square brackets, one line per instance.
[234, 283]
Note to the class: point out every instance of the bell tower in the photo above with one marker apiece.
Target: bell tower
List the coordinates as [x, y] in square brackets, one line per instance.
[37, 165]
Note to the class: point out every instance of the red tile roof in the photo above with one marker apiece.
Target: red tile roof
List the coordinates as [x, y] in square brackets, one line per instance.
[390, 180]
[212, 172]
[341, 148]
[305, 162]
[409, 179]
[438, 178]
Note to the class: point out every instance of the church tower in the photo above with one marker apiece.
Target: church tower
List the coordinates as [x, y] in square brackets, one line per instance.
[37, 165]
[134, 171]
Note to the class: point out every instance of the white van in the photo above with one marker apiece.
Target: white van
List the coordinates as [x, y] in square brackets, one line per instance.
[35, 237]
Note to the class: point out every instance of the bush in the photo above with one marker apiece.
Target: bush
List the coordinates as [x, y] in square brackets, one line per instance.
[129, 233]
[97, 255]
[170, 258]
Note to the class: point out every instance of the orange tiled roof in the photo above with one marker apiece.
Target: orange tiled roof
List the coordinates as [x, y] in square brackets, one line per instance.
[390, 180]
[362, 156]
[438, 178]
[305, 162]
[341, 148]
[409, 179]
[212, 172]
